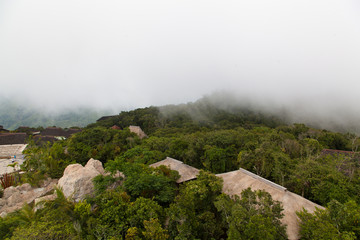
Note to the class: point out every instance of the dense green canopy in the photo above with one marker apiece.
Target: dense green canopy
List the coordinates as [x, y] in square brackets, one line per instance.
[150, 205]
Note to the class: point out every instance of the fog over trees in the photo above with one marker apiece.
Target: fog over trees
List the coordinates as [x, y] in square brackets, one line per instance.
[300, 55]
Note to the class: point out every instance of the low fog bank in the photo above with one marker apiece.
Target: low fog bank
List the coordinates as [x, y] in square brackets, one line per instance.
[14, 113]
[314, 112]
[339, 115]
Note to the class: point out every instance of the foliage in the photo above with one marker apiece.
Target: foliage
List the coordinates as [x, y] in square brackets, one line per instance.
[99, 143]
[110, 216]
[143, 209]
[154, 231]
[8, 224]
[325, 178]
[193, 214]
[7, 180]
[149, 204]
[143, 181]
[252, 216]
[102, 182]
[44, 160]
[54, 221]
[338, 221]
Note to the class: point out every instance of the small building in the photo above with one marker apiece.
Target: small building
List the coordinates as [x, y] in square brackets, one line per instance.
[186, 172]
[2, 129]
[53, 131]
[12, 138]
[236, 181]
[40, 139]
[116, 127]
[138, 131]
[71, 131]
[59, 132]
[340, 152]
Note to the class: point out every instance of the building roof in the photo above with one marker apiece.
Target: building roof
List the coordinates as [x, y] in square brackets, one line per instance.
[53, 131]
[115, 127]
[72, 131]
[186, 172]
[7, 151]
[138, 131]
[235, 182]
[56, 132]
[334, 151]
[42, 139]
[105, 117]
[2, 129]
[12, 138]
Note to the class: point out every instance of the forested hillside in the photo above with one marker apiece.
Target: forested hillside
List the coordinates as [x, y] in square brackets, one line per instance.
[14, 115]
[150, 205]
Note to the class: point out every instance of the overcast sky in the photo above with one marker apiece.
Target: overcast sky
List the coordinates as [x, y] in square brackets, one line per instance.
[128, 54]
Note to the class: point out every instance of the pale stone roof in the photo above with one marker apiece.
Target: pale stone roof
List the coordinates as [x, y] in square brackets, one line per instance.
[237, 181]
[186, 172]
[11, 150]
[7, 153]
[138, 131]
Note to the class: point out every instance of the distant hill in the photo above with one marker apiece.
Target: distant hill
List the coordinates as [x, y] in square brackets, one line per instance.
[13, 115]
[225, 112]
[191, 117]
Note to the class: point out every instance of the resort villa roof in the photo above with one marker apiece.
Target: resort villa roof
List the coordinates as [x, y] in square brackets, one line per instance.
[340, 152]
[138, 131]
[236, 181]
[186, 172]
[12, 138]
[57, 132]
[7, 153]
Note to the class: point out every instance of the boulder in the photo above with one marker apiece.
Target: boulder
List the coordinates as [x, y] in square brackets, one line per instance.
[76, 183]
[15, 197]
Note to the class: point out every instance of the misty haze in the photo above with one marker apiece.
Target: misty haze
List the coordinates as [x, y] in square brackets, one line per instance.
[303, 56]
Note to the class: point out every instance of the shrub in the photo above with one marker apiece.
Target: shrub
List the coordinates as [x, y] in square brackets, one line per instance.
[7, 180]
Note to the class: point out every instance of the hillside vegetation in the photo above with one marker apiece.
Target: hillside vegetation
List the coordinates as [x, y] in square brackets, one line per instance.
[14, 115]
[150, 205]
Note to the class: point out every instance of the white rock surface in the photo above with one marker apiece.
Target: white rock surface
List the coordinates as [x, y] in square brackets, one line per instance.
[76, 183]
[15, 197]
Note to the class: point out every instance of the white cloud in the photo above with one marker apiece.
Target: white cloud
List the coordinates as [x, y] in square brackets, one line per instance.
[136, 53]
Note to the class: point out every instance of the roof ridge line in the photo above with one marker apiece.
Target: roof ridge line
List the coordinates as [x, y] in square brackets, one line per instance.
[263, 179]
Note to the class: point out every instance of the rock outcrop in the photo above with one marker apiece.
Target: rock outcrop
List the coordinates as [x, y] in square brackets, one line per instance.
[76, 183]
[138, 131]
[15, 197]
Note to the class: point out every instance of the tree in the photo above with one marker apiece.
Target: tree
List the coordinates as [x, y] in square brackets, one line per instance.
[144, 181]
[54, 221]
[193, 214]
[322, 224]
[143, 209]
[252, 216]
[154, 231]
[110, 218]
